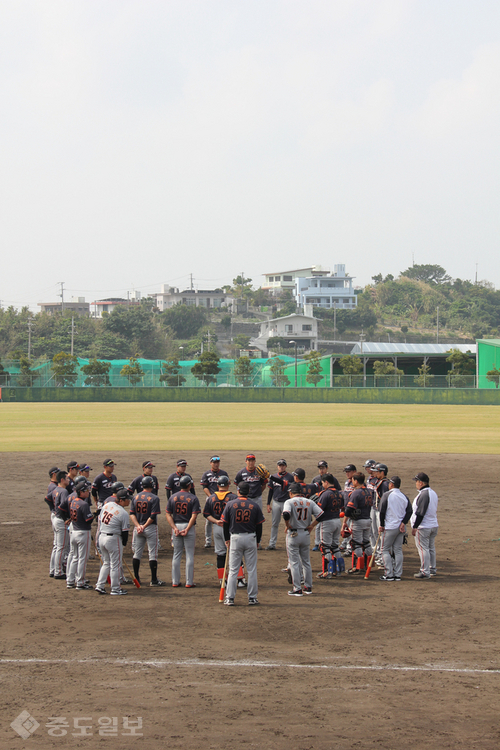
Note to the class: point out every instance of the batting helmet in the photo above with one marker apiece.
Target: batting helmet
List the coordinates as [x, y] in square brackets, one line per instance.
[117, 486]
[381, 467]
[223, 481]
[370, 463]
[185, 481]
[148, 482]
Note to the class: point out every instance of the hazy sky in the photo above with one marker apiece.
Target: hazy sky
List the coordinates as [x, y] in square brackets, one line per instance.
[142, 141]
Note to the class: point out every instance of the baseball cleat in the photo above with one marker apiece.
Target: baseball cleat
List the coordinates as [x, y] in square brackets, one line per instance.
[207, 545]
[242, 584]
[290, 579]
[270, 548]
[325, 575]
[121, 592]
[51, 575]
[315, 548]
[99, 591]
[229, 602]
[190, 585]
[397, 578]
[295, 592]
[85, 586]
[253, 601]
[421, 575]
[157, 583]
[355, 572]
[284, 570]
[433, 573]
[307, 590]
[175, 585]
[125, 581]
[70, 585]
[386, 578]
[61, 578]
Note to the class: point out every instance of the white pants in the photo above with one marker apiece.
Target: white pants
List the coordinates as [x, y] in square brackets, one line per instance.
[181, 544]
[392, 541]
[297, 548]
[111, 552]
[242, 546]
[61, 534]
[425, 541]
[150, 537]
[277, 511]
[80, 550]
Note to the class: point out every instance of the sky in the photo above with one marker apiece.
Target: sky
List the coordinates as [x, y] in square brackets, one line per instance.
[144, 141]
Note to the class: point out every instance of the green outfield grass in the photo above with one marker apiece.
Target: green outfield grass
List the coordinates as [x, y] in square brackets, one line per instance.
[196, 426]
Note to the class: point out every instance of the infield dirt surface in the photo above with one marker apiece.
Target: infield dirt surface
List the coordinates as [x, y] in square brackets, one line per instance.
[359, 664]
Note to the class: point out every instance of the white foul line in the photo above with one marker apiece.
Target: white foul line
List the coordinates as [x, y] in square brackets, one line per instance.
[248, 663]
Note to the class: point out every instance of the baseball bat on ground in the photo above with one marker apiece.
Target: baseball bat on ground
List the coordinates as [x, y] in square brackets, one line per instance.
[222, 593]
[372, 558]
[136, 582]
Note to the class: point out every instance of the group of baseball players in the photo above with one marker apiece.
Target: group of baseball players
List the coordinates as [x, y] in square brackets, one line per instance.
[367, 516]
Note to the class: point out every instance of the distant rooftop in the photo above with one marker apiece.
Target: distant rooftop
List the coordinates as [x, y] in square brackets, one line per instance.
[371, 348]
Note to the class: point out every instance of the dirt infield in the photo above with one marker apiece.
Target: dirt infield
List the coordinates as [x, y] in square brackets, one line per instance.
[414, 664]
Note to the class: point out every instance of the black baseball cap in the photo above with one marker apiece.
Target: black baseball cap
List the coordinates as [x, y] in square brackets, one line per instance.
[281, 462]
[421, 477]
[182, 462]
[295, 488]
[108, 462]
[396, 481]
[250, 457]
[244, 488]
[322, 465]
[214, 459]
[85, 467]
[147, 464]
[350, 467]
[54, 470]
[72, 465]
[123, 494]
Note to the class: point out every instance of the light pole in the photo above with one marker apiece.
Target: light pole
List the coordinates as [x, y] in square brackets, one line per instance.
[295, 345]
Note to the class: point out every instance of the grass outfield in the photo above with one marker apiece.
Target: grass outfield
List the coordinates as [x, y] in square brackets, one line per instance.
[194, 426]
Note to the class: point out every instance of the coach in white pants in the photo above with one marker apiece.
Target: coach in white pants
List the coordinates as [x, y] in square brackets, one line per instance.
[115, 525]
[395, 511]
[424, 525]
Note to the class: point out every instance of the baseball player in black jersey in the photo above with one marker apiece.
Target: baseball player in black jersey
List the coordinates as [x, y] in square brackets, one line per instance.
[50, 502]
[144, 514]
[182, 511]
[101, 486]
[213, 510]
[278, 492]
[60, 523]
[323, 469]
[243, 521]
[210, 486]
[250, 475]
[173, 481]
[308, 490]
[331, 502]
[81, 519]
[147, 471]
[345, 544]
[358, 510]
[72, 473]
[379, 484]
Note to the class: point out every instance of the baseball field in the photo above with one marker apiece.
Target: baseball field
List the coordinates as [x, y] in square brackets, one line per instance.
[359, 664]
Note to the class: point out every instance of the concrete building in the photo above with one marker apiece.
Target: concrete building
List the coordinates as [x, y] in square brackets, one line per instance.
[77, 305]
[300, 328]
[211, 299]
[279, 281]
[334, 290]
[100, 306]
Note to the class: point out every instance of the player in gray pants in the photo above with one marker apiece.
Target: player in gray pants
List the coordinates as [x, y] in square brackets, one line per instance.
[395, 511]
[182, 511]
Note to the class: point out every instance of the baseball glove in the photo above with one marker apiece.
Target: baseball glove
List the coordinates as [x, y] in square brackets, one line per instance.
[263, 471]
[345, 533]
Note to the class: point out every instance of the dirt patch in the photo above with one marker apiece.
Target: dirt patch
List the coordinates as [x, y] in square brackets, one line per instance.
[358, 664]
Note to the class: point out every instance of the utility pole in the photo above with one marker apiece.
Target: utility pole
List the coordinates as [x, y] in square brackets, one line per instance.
[437, 326]
[476, 273]
[72, 334]
[30, 323]
[61, 295]
[191, 278]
